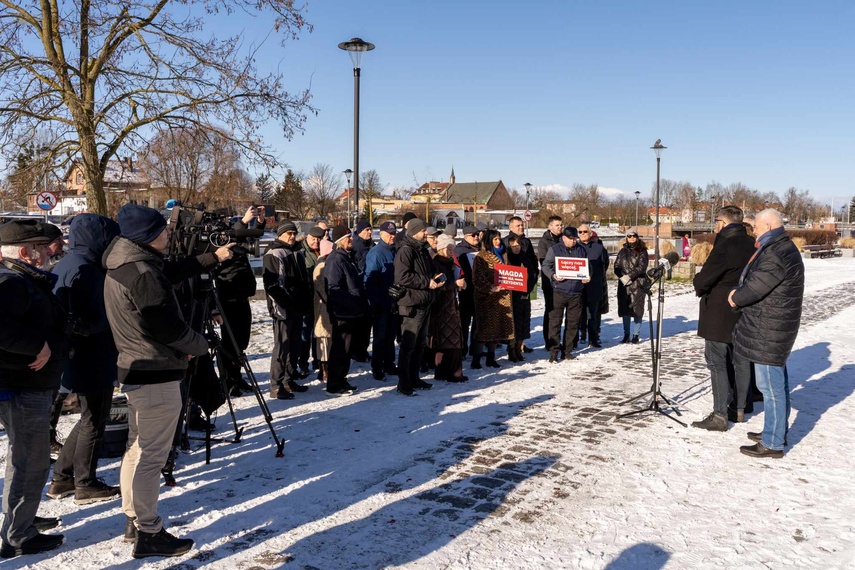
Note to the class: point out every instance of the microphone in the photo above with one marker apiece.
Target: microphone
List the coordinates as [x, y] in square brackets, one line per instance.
[666, 262]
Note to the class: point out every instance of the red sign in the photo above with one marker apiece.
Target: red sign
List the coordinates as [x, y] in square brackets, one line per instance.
[571, 268]
[511, 278]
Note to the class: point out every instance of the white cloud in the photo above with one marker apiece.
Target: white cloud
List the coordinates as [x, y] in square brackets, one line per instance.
[611, 192]
[559, 188]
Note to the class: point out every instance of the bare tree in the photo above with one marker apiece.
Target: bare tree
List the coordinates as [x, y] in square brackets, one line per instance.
[323, 185]
[98, 74]
[402, 192]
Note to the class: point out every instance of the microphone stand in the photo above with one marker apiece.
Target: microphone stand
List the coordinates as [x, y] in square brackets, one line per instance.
[655, 391]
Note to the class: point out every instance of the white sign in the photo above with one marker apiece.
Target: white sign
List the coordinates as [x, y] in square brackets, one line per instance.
[527, 215]
[46, 200]
[571, 268]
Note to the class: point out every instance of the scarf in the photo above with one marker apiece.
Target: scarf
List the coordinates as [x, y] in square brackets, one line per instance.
[761, 242]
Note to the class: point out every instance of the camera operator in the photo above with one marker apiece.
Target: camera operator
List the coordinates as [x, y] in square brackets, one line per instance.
[236, 283]
[154, 344]
[32, 349]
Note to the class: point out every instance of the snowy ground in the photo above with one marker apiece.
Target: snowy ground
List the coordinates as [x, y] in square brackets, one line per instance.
[524, 467]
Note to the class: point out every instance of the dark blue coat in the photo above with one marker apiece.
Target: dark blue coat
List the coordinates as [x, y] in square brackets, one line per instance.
[346, 298]
[598, 263]
[567, 286]
[80, 290]
[380, 275]
[361, 247]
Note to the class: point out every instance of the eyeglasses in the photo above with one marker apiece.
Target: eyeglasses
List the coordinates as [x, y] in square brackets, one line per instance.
[719, 221]
[632, 236]
[584, 232]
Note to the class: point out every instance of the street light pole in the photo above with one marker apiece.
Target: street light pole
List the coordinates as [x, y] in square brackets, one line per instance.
[356, 47]
[527, 194]
[348, 173]
[637, 195]
[657, 148]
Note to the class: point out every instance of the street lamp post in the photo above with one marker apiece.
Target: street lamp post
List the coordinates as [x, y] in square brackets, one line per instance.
[657, 148]
[637, 196]
[348, 173]
[527, 194]
[356, 47]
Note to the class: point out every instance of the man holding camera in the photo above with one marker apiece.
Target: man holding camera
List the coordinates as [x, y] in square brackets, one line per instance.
[154, 344]
[413, 272]
[289, 295]
[32, 350]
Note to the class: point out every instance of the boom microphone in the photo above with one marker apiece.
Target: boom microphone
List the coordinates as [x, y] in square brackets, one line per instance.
[666, 262]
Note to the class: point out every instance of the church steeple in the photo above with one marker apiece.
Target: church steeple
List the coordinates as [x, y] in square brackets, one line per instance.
[451, 178]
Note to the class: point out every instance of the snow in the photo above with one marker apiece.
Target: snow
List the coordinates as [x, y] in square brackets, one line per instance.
[522, 467]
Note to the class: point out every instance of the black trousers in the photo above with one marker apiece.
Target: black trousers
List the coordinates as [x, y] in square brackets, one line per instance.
[341, 347]
[385, 326]
[565, 308]
[239, 316]
[467, 318]
[362, 338]
[286, 351]
[78, 459]
[414, 331]
[546, 285]
[589, 319]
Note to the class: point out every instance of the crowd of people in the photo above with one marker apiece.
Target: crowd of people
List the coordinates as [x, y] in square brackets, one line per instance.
[106, 313]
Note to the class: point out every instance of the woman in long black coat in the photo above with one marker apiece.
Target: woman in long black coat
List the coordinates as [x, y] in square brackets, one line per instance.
[445, 336]
[631, 269]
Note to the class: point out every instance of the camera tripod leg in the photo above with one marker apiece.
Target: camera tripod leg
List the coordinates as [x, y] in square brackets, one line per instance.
[265, 411]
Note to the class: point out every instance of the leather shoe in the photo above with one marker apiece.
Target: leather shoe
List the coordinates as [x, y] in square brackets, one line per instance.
[758, 436]
[760, 450]
[422, 385]
[46, 523]
[38, 543]
[713, 422]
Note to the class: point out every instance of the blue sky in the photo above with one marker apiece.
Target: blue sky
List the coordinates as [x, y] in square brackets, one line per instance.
[558, 92]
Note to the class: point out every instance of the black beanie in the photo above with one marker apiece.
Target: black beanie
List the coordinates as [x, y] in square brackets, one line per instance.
[140, 224]
[339, 232]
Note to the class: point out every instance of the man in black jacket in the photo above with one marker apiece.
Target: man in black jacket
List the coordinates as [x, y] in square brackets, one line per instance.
[733, 248]
[413, 272]
[769, 295]
[465, 251]
[566, 293]
[32, 352]
[347, 305]
[91, 370]
[550, 237]
[525, 258]
[289, 294]
[155, 345]
[598, 263]
[362, 244]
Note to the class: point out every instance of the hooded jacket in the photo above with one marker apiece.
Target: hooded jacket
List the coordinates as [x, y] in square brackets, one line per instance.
[148, 328]
[80, 291]
[30, 316]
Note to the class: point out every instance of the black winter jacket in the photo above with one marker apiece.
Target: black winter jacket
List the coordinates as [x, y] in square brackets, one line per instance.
[30, 315]
[718, 276]
[80, 290]
[346, 298]
[770, 300]
[598, 264]
[461, 252]
[547, 240]
[286, 281]
[361, 247]
[526, 258]
[413, 271]
[631, 261]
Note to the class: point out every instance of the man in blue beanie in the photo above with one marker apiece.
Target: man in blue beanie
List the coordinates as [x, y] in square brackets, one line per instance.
[154, 344]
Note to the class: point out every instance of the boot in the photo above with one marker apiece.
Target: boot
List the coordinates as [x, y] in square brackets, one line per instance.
[491, 360]
[553, 356]
[322, 374]
[476, 362]
[635, 339]
[625, 338]
[713, 422]
[130, 530]
[736, 416]
[160, 544]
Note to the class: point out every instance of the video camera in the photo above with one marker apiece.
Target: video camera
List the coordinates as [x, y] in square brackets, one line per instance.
[199, 231]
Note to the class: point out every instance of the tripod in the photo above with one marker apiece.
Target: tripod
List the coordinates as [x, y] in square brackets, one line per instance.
[655, 391]
[206, 297]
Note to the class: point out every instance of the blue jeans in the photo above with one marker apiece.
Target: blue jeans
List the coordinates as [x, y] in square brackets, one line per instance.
[26, 418]
[775, 385]
[637, 325]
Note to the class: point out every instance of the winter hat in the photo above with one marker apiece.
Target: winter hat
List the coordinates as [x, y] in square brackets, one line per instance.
[140, 224]
[388, 227]
[469, 230]
[571, 232]
[632, 231]
[317, 232]
[443, 242]
[407, 217]
[362, 225]
[432, 231]
[414, 226]
[22, 231]
[286, 227]
[51, 231]
[340, 232]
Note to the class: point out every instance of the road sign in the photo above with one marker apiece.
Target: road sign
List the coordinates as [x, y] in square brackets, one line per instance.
[46, 200]
[527, 215]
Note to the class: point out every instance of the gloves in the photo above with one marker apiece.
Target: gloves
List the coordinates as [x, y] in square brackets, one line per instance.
[625, 280]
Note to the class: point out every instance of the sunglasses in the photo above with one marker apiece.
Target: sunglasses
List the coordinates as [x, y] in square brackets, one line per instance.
[633, 236]
[584, 232]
